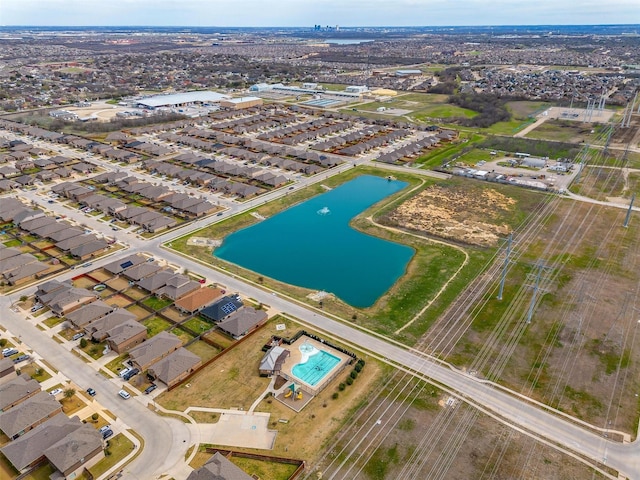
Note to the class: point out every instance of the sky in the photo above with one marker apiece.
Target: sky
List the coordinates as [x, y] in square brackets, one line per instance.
[293, 13]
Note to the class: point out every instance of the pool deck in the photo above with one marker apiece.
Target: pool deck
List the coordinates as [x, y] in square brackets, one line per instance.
[296, 357]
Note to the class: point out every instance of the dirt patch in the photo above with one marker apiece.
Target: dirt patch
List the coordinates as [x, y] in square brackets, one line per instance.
[453, 214]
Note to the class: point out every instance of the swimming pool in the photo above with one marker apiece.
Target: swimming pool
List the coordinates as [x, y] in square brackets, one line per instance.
[315, 364]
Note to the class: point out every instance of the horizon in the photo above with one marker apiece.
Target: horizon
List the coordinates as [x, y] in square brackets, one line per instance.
[292, 14]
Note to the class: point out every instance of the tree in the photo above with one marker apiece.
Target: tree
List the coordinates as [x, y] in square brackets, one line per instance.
[94, 417]
[83, 343]
[23, 298]
[69, 392]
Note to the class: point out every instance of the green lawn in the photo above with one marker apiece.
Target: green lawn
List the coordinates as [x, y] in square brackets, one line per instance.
[474, 156]
[155, 325]
[156, 303]
[198, 325]
[13, 243]
[118, 448]
[53, 321]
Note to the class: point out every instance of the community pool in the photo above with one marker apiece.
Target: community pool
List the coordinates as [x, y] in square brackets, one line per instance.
[315, 364]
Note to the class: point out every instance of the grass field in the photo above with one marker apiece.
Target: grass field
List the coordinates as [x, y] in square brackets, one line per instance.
[423, 107]
[563, 131]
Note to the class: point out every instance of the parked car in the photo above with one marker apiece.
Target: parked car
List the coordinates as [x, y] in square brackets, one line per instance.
[91, 392]
[106, 434]
[124, 394]
[21, 358]
[37, 307]
[105, 428]
[78, 336]
[130, 374]
[123, 372]
[8, 353]
[150, 388]
[55, 392]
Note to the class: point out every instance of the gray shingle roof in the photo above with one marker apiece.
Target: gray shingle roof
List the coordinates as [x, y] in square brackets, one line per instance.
[25, 414]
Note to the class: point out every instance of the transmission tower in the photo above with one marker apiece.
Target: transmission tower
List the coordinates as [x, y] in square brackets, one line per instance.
[542, 268]
[628, 217]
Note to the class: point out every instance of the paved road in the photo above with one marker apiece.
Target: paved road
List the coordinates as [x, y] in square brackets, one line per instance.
[166, 439]
[163, 436]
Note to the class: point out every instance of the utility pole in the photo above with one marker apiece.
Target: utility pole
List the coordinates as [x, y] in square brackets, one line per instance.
[628, 217]
[504, 267]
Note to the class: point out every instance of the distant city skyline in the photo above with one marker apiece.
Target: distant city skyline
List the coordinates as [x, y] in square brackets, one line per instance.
[296, 13]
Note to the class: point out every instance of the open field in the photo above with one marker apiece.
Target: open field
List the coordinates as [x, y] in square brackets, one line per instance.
[579, 353]
[419, 435]
[423, 107]
[564, 131]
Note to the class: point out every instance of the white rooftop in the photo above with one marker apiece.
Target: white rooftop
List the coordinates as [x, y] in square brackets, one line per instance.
[179, 98]
[243, 99]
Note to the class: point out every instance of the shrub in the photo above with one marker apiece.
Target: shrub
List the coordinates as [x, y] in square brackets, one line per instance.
[361, 362]
[353, 374]
[349, 381]
[83, 343]
[23, 298]
[69, 392]
[335, 395]
[94, 417]
[342, 386]
[357, 368]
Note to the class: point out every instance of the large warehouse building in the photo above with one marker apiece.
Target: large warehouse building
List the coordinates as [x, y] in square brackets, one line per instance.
[185, 99]
[241, 102]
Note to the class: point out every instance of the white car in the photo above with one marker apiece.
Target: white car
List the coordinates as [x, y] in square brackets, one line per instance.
[124, 394]
[55, 392]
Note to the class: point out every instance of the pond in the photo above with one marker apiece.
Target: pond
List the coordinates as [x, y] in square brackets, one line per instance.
[311, 245]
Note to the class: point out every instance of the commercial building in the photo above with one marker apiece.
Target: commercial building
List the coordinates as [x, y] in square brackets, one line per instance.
[205, 97]
[241, 103]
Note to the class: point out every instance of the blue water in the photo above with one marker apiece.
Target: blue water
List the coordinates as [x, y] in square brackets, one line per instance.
[315, 368]
[303, 247]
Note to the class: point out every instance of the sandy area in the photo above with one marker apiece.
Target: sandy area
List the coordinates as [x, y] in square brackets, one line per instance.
[455, 215]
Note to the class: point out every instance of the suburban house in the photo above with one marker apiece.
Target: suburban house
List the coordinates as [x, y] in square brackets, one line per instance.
[29, 414]
[68, 444]
[89, 249]
[271, 363]
[120, 265]
[98, 329]
[7, 373]
[196, 301]
[17, 390]
[218, 467]
[62, 298]
[178, 286]
[81, 317]
[243, 321]
[175, 367]
[222, 308]
[154, 350]
[138, 272]
[17, 268]
[155, 282]
[126, 336]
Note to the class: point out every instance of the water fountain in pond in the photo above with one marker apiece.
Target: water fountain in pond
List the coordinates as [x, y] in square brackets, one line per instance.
[324, 211]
